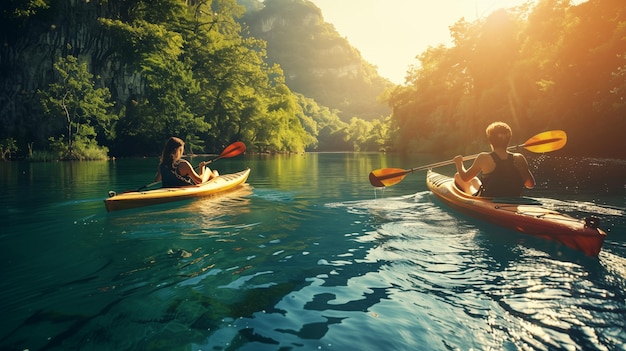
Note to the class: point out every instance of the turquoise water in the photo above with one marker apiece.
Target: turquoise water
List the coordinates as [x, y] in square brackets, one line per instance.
[307, 256]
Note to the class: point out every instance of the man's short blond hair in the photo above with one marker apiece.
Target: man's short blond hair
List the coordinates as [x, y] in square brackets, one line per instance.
[499, 134]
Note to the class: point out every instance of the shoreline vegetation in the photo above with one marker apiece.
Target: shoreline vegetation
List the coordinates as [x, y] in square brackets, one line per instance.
[92, 80]
[43, 156]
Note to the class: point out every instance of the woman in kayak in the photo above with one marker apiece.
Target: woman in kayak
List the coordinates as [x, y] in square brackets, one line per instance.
[503, 174]
[173, 171]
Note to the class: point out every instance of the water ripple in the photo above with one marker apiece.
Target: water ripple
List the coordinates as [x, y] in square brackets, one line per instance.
[529, 301]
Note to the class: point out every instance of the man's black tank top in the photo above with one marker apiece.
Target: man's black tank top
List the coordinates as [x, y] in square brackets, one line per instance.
[504, 181]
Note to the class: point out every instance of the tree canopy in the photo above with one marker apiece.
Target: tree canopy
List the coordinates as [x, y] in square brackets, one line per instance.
[122, 76]
[126, 75]
[551, 66]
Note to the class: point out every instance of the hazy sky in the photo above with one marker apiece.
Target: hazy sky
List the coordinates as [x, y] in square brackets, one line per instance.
[391, 33]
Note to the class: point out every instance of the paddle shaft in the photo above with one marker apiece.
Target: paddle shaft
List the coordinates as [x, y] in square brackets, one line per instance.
[465, 158]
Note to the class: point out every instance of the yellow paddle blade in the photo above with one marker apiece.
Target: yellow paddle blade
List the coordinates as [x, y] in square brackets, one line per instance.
[387, 176]
[551, 140]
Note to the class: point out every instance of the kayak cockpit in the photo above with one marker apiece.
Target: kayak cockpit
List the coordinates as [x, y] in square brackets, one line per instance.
[470, 188]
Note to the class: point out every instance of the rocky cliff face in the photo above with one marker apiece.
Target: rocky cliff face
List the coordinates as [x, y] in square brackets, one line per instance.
[317, 62]
[279, 22]
[31, 47]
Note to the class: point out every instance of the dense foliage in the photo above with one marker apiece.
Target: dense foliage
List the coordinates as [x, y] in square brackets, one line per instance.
[81, 78]
[551, 66]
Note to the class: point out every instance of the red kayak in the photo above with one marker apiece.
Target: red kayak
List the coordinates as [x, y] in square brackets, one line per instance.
[523, 215]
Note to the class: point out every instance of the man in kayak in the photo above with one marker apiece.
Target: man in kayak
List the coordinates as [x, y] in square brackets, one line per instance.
[503, 174]
[173, 171]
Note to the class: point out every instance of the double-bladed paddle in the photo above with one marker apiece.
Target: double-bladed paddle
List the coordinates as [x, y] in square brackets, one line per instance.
[232, 150]
[543, 142]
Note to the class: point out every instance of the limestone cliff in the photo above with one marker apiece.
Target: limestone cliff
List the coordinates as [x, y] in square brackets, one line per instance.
[316, 60]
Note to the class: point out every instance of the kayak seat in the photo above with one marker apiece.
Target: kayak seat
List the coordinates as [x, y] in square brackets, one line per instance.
[472, 187]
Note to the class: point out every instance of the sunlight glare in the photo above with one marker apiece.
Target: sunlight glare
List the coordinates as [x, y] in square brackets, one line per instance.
[390, 34]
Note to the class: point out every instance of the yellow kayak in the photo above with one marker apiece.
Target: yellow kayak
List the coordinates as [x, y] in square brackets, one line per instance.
[134, 199]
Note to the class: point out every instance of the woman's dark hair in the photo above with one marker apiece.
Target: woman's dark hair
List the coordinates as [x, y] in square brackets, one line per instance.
[170, 150]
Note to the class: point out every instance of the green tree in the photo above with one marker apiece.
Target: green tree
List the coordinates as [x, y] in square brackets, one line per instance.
[380, 136]
[552, 66]
[315, 119]
[162, 108]
[74, 99]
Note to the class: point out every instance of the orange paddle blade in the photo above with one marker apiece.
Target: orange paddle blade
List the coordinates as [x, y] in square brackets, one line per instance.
[387, 176]
[233, 150]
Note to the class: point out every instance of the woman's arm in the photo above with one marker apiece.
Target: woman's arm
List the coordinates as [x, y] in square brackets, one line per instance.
[185, 168]
[157, 176]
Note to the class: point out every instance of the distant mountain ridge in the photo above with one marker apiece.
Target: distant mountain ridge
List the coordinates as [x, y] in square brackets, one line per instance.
[316, 60]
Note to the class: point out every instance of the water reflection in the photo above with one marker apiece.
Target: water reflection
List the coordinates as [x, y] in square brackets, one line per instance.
[514, 292]
[308, 256]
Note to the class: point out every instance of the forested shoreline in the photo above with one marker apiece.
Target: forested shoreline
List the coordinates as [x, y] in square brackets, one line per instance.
[552, 65]
[120, 77]
[92, 79]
